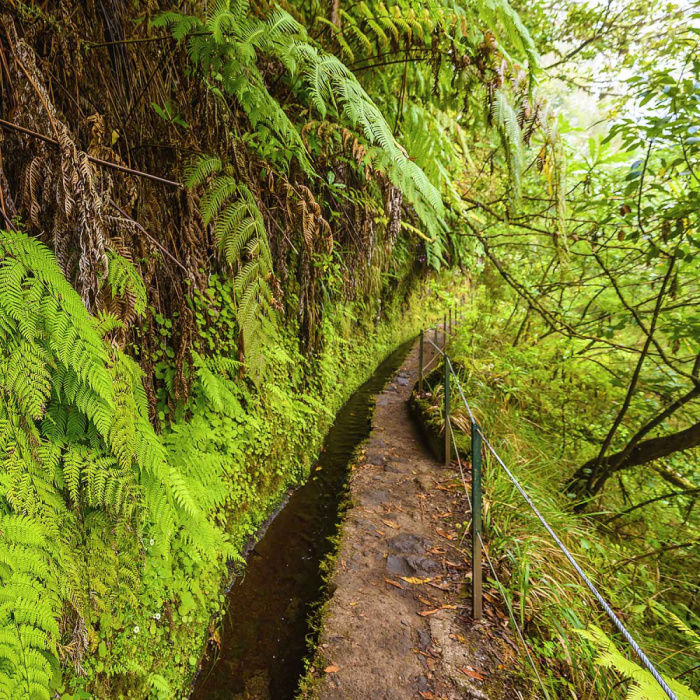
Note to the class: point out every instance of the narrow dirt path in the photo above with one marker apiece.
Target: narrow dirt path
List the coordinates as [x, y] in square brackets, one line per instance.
[398, 623]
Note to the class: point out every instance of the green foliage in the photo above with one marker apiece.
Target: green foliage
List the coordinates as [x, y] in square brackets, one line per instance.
[369, 27]
[643, 684]
[240, 233]
[506, 122]
[329, 80]
[499, 13]
[372, 30]
[29, 605]
[225, 43]
[543, 406]
[125, 280]
[418, 140]
[79, 463]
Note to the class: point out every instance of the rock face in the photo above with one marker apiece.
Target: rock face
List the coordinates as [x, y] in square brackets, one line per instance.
[397, 624]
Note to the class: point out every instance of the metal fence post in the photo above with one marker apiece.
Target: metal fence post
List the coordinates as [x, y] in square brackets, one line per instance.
[420, 363]
[444, 328]
[436, 334]
[448, 428]
[476, 524]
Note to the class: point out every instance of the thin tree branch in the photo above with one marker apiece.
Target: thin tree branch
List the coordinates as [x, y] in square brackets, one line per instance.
[649, 501]
[660, 550]
[635, 377]
[98, 161]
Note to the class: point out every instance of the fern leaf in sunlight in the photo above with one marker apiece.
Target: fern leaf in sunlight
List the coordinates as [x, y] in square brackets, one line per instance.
[643, 684]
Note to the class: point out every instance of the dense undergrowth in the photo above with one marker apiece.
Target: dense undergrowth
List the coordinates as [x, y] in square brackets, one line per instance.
[191, 496]
[543, 409]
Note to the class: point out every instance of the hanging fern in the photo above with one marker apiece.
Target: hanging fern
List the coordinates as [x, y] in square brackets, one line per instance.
[499, 13]
[329, 82]
[28, 610]
[226, 40]
[505, 120]
[368, 28]
[74, 438]
[242, 239]
[224, 44]
[125, 281]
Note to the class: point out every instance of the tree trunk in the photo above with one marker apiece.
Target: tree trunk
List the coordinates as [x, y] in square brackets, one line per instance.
[590, 477]
[334, 13]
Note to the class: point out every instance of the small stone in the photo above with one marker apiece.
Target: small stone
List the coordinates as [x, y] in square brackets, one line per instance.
[422, 684]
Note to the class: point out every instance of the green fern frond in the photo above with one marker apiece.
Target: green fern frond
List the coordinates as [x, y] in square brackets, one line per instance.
[665, 614]
[240, 232]
[231, 52]
[123, 278]
[506, 122]
[74, 436]
[644, 684]
[200, 169]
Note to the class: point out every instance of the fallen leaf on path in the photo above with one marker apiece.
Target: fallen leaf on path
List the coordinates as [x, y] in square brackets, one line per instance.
[427, 695]
[454, 565]
[394, 526]
[472, 674]
[394, 583]
[513, 645]
[352, 605]
[415, 579]
[425, 613]
[439, 586]
[444, 534]
[332, 669]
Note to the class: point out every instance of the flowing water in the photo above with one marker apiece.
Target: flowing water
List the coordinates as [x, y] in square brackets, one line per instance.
[264, 635]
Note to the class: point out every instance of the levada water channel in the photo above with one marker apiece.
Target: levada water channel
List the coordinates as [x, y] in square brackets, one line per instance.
[264, 634]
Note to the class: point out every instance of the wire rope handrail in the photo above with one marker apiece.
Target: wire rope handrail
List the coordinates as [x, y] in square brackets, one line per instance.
[449, 372]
